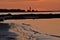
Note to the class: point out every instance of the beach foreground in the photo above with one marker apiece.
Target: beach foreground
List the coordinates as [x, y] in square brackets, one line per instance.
[16, 31]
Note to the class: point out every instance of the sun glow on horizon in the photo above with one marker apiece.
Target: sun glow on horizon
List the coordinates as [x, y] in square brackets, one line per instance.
[35, 4]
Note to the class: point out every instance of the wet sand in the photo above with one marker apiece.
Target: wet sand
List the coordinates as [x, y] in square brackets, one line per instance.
[50, 26]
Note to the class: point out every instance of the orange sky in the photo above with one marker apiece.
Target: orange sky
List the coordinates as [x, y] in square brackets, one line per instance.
[35, 4]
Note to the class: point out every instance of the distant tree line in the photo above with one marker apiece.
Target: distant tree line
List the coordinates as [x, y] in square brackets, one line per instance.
[17, 10]
[11, 10]
[29, 10]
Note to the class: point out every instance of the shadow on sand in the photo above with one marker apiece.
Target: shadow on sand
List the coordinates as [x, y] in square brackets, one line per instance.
[5, 34]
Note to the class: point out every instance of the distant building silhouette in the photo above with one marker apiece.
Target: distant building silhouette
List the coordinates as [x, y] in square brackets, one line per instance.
[29, 10]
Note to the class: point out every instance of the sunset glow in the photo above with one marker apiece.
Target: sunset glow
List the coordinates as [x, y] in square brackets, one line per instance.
[35, 4]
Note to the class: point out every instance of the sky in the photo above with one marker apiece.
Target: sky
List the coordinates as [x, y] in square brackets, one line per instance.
[34, 4]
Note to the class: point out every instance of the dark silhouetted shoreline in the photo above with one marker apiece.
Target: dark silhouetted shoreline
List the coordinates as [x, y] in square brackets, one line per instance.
[28, 16]
[22, 10]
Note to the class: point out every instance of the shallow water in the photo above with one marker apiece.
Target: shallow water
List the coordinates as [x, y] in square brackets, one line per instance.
[15, 13]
